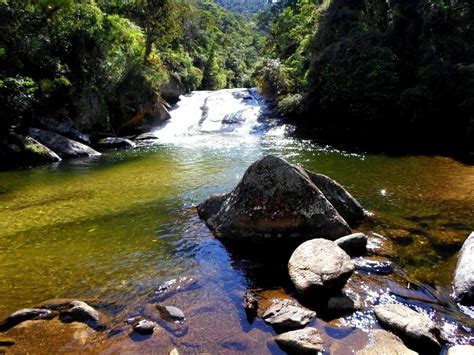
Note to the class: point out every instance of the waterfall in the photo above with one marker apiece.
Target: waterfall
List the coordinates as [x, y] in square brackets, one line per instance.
[224, 117]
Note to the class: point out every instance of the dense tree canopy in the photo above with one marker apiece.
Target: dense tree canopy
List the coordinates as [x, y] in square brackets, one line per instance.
[371, 68]
[64, 57]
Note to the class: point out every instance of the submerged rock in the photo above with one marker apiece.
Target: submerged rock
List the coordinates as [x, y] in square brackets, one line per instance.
[287, 314]
[343, 304]
[302, 341]
[171, 313]
[81, 312]
[412, 326]
[377, 265]
[464, 274]
[144, 327]
[382, 342]
[64, 147]
[279, 201]
[23, 315]
[115, 143]
[353, 244]
[319, 264]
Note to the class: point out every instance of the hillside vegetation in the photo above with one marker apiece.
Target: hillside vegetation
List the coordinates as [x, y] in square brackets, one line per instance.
[395, 74]
[102, 63]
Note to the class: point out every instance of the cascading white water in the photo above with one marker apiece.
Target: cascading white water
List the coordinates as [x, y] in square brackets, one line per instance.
[224, 117]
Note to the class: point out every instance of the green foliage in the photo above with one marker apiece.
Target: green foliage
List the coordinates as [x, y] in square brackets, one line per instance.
[57, 54]
[245, 7]
[372, 66]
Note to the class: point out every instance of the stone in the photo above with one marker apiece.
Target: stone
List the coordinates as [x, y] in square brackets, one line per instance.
[410, 325]
[64, 147]
[250, 304]
[302, 341]
[343, 304]
[382, 342]
[17, 150]
[144, 327]
[346, 205]
[376, 265]
[65, 127]
[287, 314]
[146, 137]
[171, 313]
[353, 244]
[173, 89]
[23, 315]
[464, 273]
[461, 350]
[276, 201]
[211, 206]
[173, 351]
[81, 312]
[115, 143]
[319, 264]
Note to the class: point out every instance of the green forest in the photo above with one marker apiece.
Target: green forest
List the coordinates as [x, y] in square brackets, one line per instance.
[355, 72]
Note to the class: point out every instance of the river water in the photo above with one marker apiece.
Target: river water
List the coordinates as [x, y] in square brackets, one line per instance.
[116, 227]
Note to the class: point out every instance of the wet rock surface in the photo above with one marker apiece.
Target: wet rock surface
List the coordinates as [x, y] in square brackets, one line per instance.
[461, 350]
[378, 265]
[414, 327]
[23, 315]
[62, 146]
[81, 312]
[146, 137]
[288, 314]
[302, 341]
[115, 143]
[319, 264]
[382, 342]
[144, 327]
[353, 244]
[277, 201]
[464, 273]
[171, 313]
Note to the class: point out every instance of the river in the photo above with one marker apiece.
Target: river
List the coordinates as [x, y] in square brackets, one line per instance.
[114, 228]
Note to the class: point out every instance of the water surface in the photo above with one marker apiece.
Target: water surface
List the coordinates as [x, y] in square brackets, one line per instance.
[116, 227]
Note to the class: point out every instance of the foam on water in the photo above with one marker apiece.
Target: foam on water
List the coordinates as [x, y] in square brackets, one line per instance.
[223, 118]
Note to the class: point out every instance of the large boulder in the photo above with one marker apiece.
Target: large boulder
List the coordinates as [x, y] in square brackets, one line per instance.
[464, 274]
[64, 147]
[415, 328]
[279, 201]
[173, 89]
[18, 150]
[319, 264]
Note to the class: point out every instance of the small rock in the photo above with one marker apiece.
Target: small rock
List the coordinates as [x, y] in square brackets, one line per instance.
[382, 342]
[146, 137]
[464, 273]
[287, 314]
[115, 143]
[24, 315]
[409, 324]
[82, 312]
[144, 327]
[375, 265]
[250, 304]
[461, 350]
[171, 313]
[343, 304]
[302, 341]
[319, 264]
[173, 351]
[211, 206]
[353, 244]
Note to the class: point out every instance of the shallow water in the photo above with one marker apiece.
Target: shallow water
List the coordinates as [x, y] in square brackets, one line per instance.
[116, 227]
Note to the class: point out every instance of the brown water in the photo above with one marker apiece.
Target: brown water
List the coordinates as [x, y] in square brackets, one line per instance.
[115, 228]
